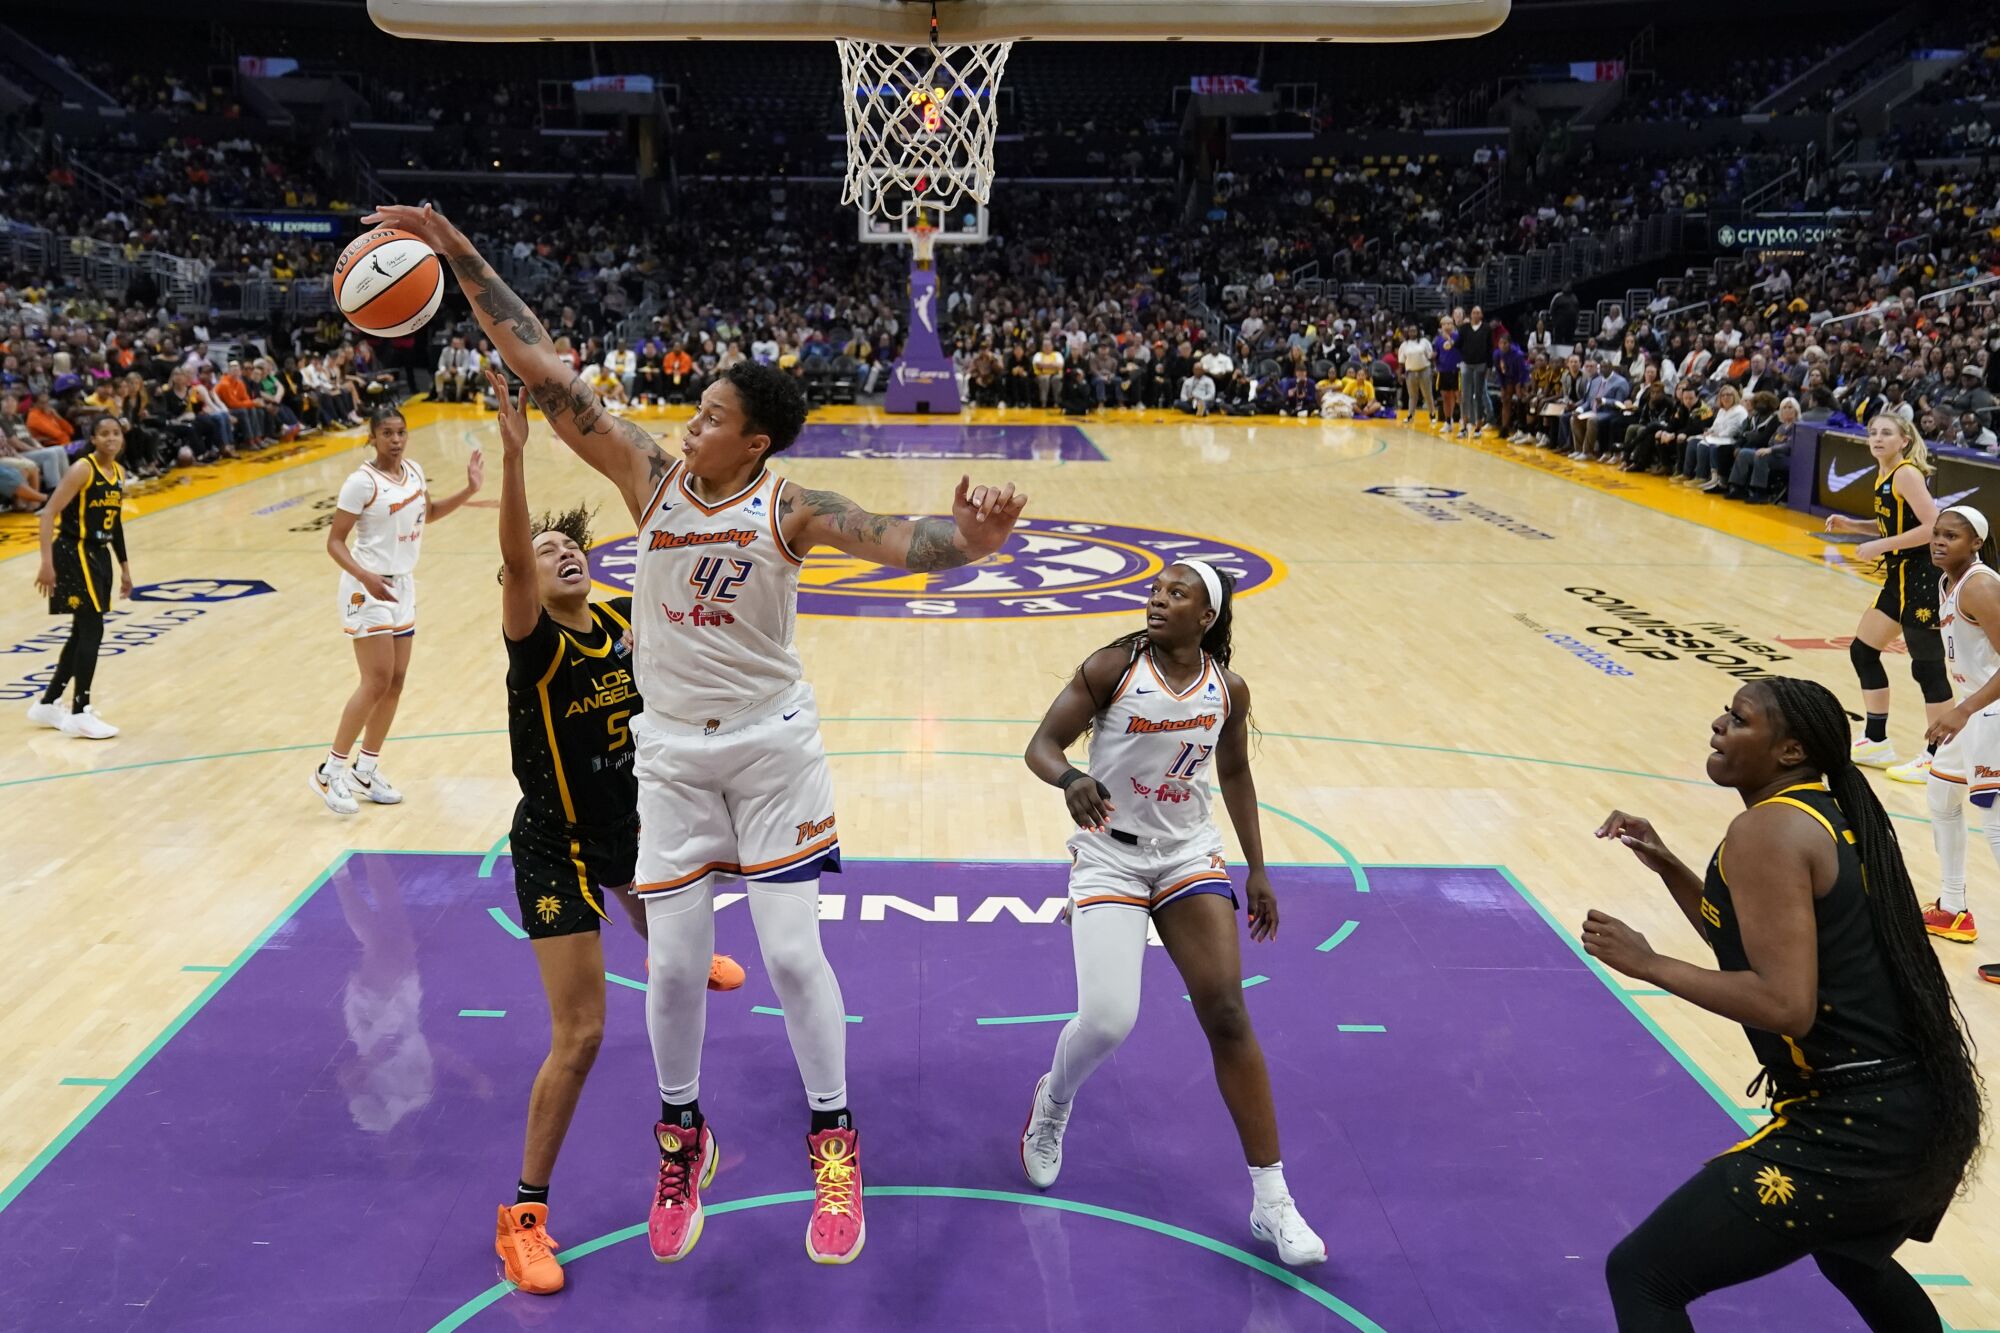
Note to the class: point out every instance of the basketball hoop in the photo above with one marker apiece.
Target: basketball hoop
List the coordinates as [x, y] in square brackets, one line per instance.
[920, 123]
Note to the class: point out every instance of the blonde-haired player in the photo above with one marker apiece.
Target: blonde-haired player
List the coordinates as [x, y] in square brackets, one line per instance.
[1159, 703]
[1967, 761]
[383, 506]
[1908, 603]
[733, 780]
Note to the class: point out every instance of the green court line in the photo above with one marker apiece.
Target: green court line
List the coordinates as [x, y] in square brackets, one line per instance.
[1352, 865]
[482, 1013]
[492, 855]
[1346, 928]
[1025, 1018]
[626, 982]
[1648, 992]
[1248, 982]
[209, 992]
[1359, 1027]
[203, 967]
[1632, 1006]
[86, 1082]
[506, 922]
[1311, 1291]
[1941, 1280]
[779, 1013]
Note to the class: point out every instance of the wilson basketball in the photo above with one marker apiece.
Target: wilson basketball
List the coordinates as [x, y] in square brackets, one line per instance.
[388, 283]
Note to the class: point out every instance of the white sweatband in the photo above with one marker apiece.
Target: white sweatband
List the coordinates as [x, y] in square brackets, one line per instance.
[1966, 512]
[1213, 581]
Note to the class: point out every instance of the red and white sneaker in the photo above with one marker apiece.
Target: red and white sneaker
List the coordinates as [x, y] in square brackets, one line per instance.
[687, 1166]
[837, 1230]
[1946, 925]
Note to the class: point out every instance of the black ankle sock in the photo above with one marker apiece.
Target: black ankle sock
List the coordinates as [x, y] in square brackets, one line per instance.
[1878, 727]
[686, 1115]
[526, 1193]
[825, 1120]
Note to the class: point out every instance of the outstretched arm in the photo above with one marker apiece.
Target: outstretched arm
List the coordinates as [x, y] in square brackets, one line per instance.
[981, 518]
[621, 450]
[520, 600]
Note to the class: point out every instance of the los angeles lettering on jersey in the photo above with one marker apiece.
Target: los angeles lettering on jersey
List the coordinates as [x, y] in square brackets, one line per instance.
[613, 687]
[1143, 725]
[668, 541]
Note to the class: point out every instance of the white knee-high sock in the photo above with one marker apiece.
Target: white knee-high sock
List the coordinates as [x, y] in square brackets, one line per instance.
[680, 940]
[787, 921]
[1947, 807]
[1110, 948]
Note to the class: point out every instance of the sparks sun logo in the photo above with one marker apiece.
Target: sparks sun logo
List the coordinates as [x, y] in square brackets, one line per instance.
[1774, 1186]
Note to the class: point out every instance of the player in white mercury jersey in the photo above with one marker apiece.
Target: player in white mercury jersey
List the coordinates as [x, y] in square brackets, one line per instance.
[1160, 704]
[732, 776]
[1967, 761]
[383, 507]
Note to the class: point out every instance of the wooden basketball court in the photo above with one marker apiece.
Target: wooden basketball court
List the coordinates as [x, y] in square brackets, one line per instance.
[1438, 638]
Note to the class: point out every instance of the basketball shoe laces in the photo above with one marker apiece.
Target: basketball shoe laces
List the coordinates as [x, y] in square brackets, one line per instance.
[833, 1180]
[536, 1244]
[676, 1170]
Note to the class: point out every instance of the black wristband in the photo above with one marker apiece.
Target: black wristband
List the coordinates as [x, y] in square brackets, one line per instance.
[1072, 774]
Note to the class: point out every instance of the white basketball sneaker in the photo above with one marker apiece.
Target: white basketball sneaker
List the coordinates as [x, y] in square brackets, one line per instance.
[333, 789]
[45, 715]
[87, 725]
[375, 787]
[1280, 1224]
[1874, 754]
[1916, 770]
[1041, 1138]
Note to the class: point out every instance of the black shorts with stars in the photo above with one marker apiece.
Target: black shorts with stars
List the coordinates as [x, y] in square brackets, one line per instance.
[1910, 593]
[1835, 1169]
[561, 870]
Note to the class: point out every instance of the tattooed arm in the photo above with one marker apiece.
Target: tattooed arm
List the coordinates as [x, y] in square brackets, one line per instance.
[981, 518]
[620, 449]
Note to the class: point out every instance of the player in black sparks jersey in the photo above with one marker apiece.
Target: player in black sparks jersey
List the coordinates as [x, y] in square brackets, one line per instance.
[1821, 955]
[83, 526]
[575, 834]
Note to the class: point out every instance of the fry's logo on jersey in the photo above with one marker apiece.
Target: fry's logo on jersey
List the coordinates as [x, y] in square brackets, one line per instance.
[1141, 726]
[613, 687]
[673, 541]
[812, 829]
[702, 617]
[1049, 567]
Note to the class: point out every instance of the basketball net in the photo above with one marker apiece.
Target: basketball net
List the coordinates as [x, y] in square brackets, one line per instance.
[920, 123]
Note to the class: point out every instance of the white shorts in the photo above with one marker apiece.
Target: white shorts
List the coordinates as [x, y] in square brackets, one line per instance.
[1972, 758]
[1108, 872]
[751, 798]
[363, 616]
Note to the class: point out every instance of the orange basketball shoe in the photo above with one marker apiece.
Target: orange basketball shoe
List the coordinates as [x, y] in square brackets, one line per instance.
[837, 1231]
[1950, 925]
[687, 1164]
[526, 1252]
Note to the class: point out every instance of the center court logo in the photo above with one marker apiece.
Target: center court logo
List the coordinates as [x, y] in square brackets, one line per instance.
[1048, 568]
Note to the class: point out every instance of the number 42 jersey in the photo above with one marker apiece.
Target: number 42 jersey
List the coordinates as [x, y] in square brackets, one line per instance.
[715, 601]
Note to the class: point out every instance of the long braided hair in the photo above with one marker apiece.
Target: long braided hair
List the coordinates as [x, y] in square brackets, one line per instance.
[1813, 717]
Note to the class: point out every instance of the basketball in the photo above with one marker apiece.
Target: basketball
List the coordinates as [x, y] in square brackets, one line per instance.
[388, 283]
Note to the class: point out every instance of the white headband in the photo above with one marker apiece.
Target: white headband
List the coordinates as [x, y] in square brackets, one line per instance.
[1966, 512]
[1213, 581]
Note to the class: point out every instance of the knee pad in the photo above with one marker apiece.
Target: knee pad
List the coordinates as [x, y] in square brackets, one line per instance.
[1931, 678]
[1868, 666]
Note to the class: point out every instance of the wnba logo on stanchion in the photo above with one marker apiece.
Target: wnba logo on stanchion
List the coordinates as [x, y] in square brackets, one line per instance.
[1049, 567]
